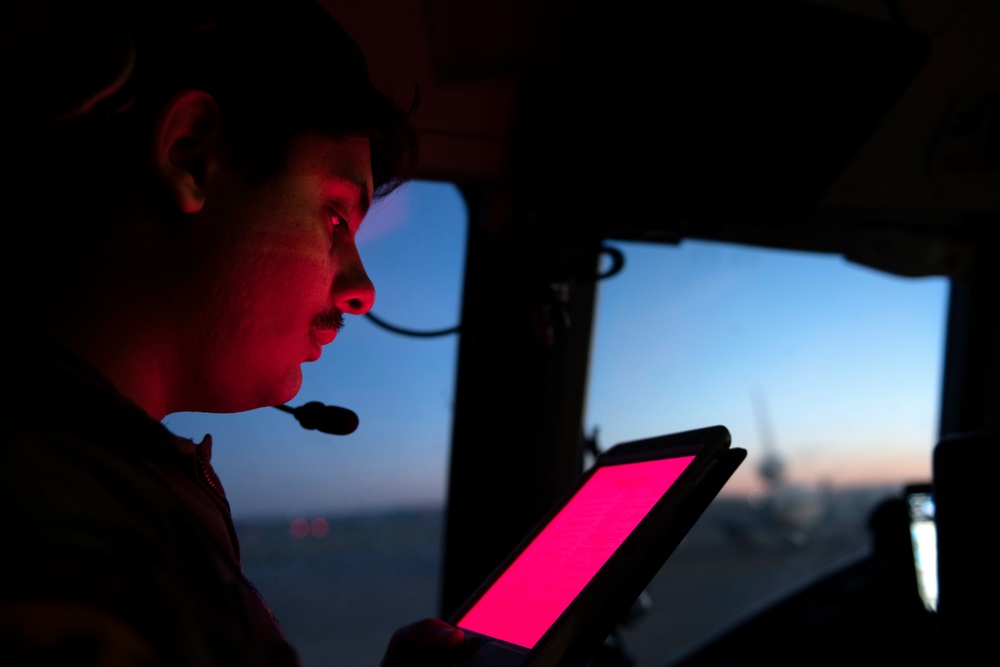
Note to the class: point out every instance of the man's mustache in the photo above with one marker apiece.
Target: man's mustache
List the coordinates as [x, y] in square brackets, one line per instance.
[331, 319]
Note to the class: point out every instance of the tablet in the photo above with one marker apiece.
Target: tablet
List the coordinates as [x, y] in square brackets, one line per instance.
[565, 587]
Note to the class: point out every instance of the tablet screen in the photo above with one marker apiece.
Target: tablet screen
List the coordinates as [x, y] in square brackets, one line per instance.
[544, 579]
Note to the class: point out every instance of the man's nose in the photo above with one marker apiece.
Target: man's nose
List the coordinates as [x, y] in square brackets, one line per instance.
[353, 291]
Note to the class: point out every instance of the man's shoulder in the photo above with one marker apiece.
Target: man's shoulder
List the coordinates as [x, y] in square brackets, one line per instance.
[101, 548]
[76, 476]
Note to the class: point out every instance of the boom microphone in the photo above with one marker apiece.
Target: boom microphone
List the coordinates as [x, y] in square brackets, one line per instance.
[326, 418]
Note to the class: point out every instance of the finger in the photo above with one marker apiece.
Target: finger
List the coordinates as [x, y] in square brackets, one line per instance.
[426, 642]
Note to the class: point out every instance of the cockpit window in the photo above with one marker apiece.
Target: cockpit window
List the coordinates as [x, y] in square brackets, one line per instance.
[827, 372]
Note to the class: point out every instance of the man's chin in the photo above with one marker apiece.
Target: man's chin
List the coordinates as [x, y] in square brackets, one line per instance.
[287, 388]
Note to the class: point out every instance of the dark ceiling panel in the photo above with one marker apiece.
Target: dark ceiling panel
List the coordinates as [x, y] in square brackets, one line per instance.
[707, 113]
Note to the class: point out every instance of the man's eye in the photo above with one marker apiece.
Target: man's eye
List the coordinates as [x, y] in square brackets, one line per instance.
[338, 224]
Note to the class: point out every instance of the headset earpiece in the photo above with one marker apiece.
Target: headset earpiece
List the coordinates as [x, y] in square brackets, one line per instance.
[66, 70]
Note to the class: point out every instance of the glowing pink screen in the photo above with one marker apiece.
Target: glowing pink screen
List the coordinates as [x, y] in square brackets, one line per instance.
[551, 572]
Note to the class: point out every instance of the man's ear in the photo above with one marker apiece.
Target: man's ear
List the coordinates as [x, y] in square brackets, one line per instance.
[185, 134]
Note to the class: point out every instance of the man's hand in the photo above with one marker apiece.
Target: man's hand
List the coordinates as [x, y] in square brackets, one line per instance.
[428, 643]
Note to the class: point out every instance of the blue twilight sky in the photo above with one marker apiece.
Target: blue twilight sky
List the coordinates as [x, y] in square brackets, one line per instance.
[841, 363]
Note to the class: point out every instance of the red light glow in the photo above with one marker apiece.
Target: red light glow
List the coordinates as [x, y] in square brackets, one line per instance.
[319, 527]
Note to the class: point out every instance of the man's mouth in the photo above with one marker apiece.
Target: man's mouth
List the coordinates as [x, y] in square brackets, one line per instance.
[326, 325]
[324, 336]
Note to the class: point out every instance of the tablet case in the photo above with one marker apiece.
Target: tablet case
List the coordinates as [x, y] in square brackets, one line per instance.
[582, 603]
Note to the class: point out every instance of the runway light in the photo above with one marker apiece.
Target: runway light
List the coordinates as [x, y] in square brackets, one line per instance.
[319, 527]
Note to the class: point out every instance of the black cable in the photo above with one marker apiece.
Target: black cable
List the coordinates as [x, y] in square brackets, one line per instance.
[617, 263]
[410, 332]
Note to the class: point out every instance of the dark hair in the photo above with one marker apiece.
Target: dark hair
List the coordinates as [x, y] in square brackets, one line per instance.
[278, 68]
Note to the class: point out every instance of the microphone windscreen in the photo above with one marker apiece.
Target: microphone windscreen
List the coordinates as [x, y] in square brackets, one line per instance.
[327, 418]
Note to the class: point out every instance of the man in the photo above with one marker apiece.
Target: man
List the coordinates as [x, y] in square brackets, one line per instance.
[189, 180]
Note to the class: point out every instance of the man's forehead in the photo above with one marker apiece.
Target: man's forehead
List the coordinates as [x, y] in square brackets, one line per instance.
[342, 162]
[364, 191]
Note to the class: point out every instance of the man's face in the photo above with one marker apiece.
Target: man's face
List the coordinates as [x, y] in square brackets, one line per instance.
[280, 268]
